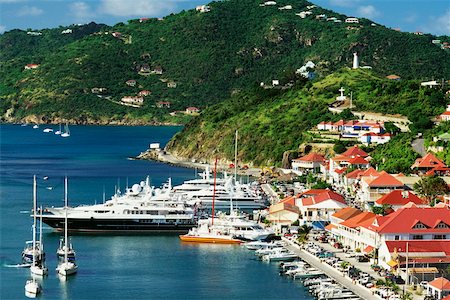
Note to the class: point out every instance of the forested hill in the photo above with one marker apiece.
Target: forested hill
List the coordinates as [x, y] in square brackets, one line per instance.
[204, 58]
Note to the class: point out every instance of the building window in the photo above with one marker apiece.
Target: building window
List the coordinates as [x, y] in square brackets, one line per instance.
[439, 237]
[442, 225]
[419, 226]
[417, 237]
[397, 237]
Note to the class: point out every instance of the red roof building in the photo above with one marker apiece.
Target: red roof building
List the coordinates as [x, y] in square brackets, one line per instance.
[385, 180]
[428, 162]
[355, 151]
[439, 288]
[399, 198]
[192, 110]
[310, 162]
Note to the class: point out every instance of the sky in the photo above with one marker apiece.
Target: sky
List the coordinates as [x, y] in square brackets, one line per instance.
[428, 16]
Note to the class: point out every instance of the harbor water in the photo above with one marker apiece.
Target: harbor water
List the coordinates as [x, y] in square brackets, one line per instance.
[114, 266]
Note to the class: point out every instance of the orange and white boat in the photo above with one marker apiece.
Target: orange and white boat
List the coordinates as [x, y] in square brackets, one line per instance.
[206, 233]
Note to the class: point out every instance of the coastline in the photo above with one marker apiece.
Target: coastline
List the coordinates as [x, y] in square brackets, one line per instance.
[166, 157]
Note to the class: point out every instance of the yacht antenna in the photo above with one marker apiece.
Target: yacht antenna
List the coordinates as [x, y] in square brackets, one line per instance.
[214, 191]
[235, 157]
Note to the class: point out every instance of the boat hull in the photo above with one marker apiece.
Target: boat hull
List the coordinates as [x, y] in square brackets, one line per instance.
[206, 239]
[116, 225]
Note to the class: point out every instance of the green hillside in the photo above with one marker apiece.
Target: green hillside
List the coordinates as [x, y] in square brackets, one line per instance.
[209, 56]
[272, 121]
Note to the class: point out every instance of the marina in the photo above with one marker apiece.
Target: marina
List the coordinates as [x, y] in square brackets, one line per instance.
[131, 264]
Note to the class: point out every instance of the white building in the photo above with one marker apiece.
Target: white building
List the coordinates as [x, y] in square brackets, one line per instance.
[352, 20]
[355, 61]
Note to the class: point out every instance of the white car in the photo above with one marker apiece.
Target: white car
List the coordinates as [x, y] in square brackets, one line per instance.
[424, 284]
[350, 254]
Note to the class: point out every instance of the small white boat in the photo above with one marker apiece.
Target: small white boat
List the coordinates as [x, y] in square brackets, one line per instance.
[48, 130]
[66, 132]
[40, 268]
[32, 288]
[59, 131]
[280, 256]
[36, 126]
[67, 267]
[255, 245]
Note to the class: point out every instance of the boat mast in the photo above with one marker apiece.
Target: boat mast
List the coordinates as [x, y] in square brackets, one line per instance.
[214, 191]
[65, 221]
[34, 219]
[41, 244]
[235, 157]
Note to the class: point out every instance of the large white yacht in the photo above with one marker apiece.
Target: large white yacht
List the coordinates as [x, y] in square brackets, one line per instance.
[140, 209]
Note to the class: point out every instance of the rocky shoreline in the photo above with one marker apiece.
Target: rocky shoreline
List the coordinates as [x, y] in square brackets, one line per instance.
[32, 119]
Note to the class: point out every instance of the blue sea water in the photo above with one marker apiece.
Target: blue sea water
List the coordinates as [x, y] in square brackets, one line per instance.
[114, 266]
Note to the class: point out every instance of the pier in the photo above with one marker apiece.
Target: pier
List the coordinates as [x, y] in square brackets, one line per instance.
[345, 281]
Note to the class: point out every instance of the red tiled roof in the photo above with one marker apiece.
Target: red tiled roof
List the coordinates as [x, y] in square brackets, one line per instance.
[339, 123]
[311, 157]
[354, 174]
[359, 219]
[393, 76]
[446, 297]
[307, 201]
[346, 213]
[428, 161]
[358, 160]
[370, 172]
[368, 249]
[419, 246]
[385, 179]
[329, 195]
[313, 192]
[329, 227]
[355, 151]
[440, 283]
[437, 169]
[340, 171]
[290, 200]
[403, 220]
[283, 206]
[399, 197]
[446, 113]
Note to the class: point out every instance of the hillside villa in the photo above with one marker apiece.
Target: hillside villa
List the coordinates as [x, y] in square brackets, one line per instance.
[192, 110]
[445, 116]
[31, 66]
[309, 163]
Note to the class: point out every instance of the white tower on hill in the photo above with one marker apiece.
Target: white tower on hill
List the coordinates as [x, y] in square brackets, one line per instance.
[355, 61]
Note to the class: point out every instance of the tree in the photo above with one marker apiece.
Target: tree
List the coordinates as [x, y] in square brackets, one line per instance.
[381, 210]
[430, 187]
[391, 128]
[339, 147]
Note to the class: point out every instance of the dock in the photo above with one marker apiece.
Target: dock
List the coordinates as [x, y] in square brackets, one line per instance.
[345, 281]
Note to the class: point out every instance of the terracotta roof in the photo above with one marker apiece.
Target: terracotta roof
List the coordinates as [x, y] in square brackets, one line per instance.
[340, 171]
[385, 180]
[359, 219]
[418, 246]
[428, 161]
[313, 192]
[354, 174]
[370, 172]
[446, 113]
[368, 249]
[329, 227]
[399, 197]
[346, 213]
[311, 157]
[283, 206]
[355, 151]
[404, 219]
[358, 160]
[329, 194]
[307, 201]
[339, 123]
[446, 297]
[393, 77]
[290, 200]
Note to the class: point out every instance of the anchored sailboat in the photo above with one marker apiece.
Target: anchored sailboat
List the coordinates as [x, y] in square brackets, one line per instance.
[66, 132]
[39, 268]
[67, 267]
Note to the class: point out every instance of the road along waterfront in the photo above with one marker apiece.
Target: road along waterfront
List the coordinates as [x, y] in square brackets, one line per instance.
[359, 290]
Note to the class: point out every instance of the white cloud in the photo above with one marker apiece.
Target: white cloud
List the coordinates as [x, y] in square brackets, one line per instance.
[368, 11]
[81, 12]
[150, 8]
[2, 28]
[344, 3]
[29, 11]
[411, 18]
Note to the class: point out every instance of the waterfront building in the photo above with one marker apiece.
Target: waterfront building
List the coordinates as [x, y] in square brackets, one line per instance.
[372, 188]
[284, 212]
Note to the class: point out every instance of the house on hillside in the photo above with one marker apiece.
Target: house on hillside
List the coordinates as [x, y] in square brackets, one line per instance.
[144, 93]
[374, 138]
[134, 100]
[158, 70]
[161, 104]
[352, 20]
[309, 163]
[171, 84]
[192, 110]
[393, 77]
[373, 188]
[131, 82]
[67, 31]
[31, 66]
[445, 116]
[427, 163]
[203, 8]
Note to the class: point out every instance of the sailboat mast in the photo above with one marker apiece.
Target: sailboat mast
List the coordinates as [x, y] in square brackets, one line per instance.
[34, 218]
[65, 221]
[41, 244]
[235, 157]
[214, 191]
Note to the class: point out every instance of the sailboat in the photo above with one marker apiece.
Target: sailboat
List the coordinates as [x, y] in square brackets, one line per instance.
[59, 131]
[207, 232]
[66, 132]
[32, 288]
[39, 268]
[67, 267]
[32, 251]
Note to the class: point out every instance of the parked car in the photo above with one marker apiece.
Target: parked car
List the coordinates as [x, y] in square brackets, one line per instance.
[363, 258]
[349, 254]
[424, 284]
[376, 268]
[398, 280]
[337, 245]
